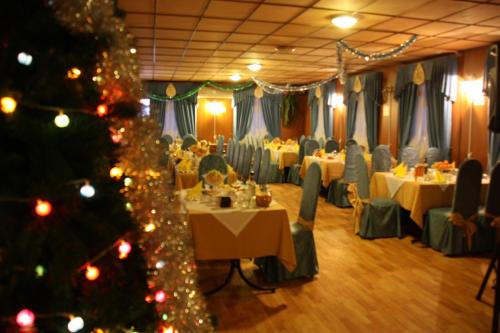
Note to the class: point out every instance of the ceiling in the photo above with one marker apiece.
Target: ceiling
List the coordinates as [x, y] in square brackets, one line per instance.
[197, 40]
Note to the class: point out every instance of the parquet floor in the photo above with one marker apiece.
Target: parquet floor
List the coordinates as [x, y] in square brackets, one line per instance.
[384, 285]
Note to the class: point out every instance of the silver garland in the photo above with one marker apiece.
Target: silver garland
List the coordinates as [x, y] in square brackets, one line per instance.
[274, 89]
[342, 45]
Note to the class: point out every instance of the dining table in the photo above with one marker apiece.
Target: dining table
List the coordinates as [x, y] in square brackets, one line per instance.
[239, 231]
[417, 195]
[285, 155]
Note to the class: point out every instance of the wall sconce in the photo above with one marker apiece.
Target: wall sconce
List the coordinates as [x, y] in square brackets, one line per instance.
[215, 108]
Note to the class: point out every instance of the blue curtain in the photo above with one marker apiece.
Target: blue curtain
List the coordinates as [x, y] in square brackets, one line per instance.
[351, 101]
[490, 87]
[328, 90]
[243, 102]
[185, 110]
[312, 101]
[441, 89]
[372, 91]
[157, 108]
[271, 109]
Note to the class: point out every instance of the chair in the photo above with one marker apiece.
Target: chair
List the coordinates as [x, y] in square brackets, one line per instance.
[331, 146]
[302, 234]
[234, 156]
[310, 146]
[241, 158]
[409, 156]
[432, 156]
[294, 170]
[381, 159]
[168, 138]
[302, 138]
[211, 162]
[230, 150]
[321, 142]
[264, 168]
[187, 142]
[257, 163]
[486, 231]
[220, 145]
[374, 218]
[247, 162]
[350, 142]
[445, 228]
[337, 190]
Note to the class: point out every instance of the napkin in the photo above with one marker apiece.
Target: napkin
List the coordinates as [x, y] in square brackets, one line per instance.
[195, 192]
[438, 177]
[400, 170]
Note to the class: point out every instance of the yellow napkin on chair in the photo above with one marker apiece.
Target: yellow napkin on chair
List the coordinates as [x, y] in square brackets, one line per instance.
[400, 170]
[195, 192]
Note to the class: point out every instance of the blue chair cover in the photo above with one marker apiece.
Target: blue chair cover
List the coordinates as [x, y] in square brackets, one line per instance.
[381, 159]
[264, 168]
[302, 233]
[310, 146]
[432, 155]
[302, 138]
[230, 150]
[409, 156]
[331, 146]
[220, 145]
[380, 217]
[247, 162]
[211, 162]
[234, 155]
[439, 232]
[294, 170]
[321, 142]
[350, 142]
[257, 163]
[188, 142]
[241, 158]
[168, 138]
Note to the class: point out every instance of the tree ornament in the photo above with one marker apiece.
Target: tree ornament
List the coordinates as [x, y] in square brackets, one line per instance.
[43, 208]
[25, 318]
[61, 120]
[170, 91]
[8, 104]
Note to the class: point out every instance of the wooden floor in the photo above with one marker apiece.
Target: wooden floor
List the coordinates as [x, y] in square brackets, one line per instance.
[384, 285]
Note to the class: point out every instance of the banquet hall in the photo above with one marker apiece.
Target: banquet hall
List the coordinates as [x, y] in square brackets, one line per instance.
[417, 78]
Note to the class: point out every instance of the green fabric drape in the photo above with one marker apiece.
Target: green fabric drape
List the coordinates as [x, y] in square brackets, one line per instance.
[441, 89]
[312, 101]
[156, 107]
[271, 110]
[372, 92]
[328, 91]
[351, 101]
[243, 102]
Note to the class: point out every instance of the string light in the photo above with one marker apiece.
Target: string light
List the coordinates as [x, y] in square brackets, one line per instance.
[39, 271]
[168, 329]
[92, 273]
[116, 137]
[133, 50]
[160, 264]
[8, 104]
[43, 208]
[25, 318]
[255, 67]
[127, 181]
[74, 73]
[150, 227]
[124, 249]
[271, 88]
[61, 120]
[102, 110]
[24, 58]
[87, 190]
[160, 296]
[235, 77]
[75, 324]
[116, 172]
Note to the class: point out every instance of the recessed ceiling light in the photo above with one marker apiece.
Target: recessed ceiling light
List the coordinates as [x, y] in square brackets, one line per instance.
[235, 77]
[133, 50]
[254, 67]
[344, 21]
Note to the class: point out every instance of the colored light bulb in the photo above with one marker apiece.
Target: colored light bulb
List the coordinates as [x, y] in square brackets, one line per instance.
[102, 110]
[160, 296]
[61, 120]
[87, 190]
[8, 104]
[25, 318]
[43, 208]
[116, 172]
[149, 227]
[75, 324]
[24, 58]
[40, 271]
[92, 273]
[124, 249]
[74, 73]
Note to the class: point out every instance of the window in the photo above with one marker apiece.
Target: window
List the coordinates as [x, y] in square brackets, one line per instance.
[360, 122]
[169, 122]
[419, 137]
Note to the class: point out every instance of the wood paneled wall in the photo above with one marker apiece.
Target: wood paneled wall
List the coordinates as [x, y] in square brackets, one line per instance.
[205, 120]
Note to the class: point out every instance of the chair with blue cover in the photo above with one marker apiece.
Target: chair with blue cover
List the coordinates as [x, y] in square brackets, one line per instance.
[451, 230]
[241, 158]
[264, 168]
[432, 156]
[350, 142]
[375, 218]
[230, 150]
[310, 147]
[168, 138]
[321, 142]
[247, 162]
[187, 142]
[211, 162]
[235, 154]
[274, 173]
[257, 163]
[302, 138]
[220, 145]
[331, 146]
[302, 234]
[294, 170]
[381, 159]
[409, 156]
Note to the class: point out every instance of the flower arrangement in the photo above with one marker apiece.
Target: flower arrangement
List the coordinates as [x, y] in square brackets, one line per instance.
[277, 141]
[214, 177]
[443, 166]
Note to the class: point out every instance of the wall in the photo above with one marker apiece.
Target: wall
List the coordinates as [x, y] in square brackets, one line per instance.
[297, 126]
[205, 120]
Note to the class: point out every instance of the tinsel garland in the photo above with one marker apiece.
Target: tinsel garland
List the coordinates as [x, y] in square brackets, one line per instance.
[271, 88]
[377, 56]
[149, 190]
[197, 89]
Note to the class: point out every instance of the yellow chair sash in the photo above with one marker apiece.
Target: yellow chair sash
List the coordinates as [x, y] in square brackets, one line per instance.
[305, 223]
[358, 205]
[469, 225]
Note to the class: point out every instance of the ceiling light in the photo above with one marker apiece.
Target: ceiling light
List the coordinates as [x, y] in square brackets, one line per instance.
[235, 77]
[284, 49]
[344, 21]
[254, 67]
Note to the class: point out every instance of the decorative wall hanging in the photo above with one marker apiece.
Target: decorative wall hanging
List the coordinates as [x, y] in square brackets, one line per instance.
[357, 85]
[317, 92]
[170, 92]
[418, 75]
[197, 89]
[258, 92]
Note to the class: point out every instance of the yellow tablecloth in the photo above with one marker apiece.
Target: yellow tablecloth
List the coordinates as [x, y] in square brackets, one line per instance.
[185, 180]
[417, 197]
[331, 169]
[284, 155]
[266, 234]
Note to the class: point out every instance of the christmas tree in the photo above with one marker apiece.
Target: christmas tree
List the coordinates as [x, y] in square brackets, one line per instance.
[81, 180]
